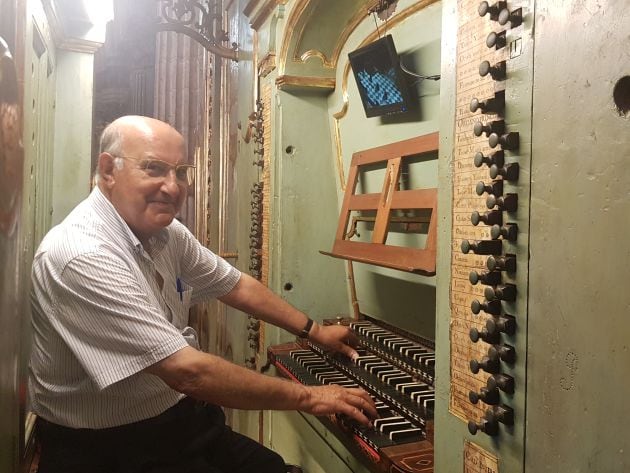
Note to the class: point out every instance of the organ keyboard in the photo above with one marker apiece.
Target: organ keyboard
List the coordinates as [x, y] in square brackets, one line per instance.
[397, 369]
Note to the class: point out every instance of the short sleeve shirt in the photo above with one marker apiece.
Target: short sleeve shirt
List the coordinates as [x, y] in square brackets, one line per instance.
[104, 309]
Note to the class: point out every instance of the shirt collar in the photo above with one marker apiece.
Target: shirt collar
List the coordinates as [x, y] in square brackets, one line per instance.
[107, 210]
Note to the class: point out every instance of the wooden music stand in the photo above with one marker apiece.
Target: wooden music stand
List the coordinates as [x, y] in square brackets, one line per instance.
[418, 260]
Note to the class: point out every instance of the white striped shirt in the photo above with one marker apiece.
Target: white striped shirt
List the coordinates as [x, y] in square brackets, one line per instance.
[100, 318]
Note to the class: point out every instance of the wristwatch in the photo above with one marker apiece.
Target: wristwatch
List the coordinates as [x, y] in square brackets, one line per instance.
[306, 329]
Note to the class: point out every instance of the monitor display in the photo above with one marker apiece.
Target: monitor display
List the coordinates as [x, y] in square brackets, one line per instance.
[380, 80]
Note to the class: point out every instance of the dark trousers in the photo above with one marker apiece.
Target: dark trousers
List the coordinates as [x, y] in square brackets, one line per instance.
[190, 437]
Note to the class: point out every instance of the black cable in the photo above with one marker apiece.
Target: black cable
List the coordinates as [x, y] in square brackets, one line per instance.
[404, 69]
[376, 23]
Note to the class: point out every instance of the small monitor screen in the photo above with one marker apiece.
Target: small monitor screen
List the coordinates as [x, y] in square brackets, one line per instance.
[377, 71]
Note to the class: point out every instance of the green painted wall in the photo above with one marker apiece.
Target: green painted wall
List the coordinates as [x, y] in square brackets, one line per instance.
[306, 197]
[577, 391]
[402, 299]
[72, 143]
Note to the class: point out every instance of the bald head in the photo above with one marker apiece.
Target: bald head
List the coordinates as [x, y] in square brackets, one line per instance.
[132, 127]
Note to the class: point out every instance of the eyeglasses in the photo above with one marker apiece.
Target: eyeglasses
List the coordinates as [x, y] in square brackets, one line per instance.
[158, 169]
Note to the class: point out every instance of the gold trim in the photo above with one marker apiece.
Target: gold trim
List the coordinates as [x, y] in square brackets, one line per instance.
[294, 17]
[250, 7]
[396, 20]
[285, 81]
[305, 19]
[342, 176]
[353, 24]
[264, 12]
[331, 63]
[315, 53]
[267, 64]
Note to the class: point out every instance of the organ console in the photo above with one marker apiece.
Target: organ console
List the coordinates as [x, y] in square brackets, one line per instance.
[397, 368]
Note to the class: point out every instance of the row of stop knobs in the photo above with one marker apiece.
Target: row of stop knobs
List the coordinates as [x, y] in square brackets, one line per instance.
[255, 266]
[500, 204]
[255, 234]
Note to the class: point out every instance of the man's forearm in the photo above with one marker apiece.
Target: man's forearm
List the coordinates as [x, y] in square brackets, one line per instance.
[210, 378]
[252, 297]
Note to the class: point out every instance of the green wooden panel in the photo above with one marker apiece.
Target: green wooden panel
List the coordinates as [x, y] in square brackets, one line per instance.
[315, 449]
[578, 311]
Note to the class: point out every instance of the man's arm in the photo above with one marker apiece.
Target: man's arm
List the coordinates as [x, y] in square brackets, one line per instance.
[250, 296]
[210, 378]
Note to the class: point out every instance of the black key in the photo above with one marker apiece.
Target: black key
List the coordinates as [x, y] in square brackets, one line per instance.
[387, 420]
[387, 428]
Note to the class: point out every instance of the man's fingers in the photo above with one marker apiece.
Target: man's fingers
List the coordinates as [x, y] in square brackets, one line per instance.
[356, 414]
[364, 402]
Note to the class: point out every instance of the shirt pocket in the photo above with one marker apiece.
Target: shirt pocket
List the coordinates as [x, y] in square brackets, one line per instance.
[179, 303]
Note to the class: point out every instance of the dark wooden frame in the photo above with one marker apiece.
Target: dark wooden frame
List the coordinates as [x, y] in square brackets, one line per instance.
[418, 260]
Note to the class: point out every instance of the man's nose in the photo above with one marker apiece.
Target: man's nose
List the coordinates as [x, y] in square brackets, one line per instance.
[171, 184]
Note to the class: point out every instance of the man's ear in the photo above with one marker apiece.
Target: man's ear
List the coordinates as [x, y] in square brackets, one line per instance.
[106, 169]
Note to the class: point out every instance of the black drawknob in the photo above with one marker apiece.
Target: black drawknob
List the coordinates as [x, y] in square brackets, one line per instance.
[489, 278]
[515, 17]
[502, 292]
[501, 381]
[509, 172]
[494, 217]
[493, 10]
[496, 40]
[502, 413]
[501, 324]
[502, 263]
[482, 247]
[494, 104]
[490, 307]
[509, 141]
[487, 364]
[509, 231]
[504, 352]
[495, 126]
[495, 188]
[483, 334]
[497, 72]
[497, 158]
[489, 396]
[507, 203]
[490, 428]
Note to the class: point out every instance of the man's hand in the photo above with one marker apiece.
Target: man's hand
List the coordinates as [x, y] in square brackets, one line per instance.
[338, 338]
[332, 399]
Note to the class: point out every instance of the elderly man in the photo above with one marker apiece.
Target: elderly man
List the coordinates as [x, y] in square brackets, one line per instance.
[116, 377]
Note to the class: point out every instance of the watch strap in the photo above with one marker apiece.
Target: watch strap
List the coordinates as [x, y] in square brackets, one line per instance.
[306, 329]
